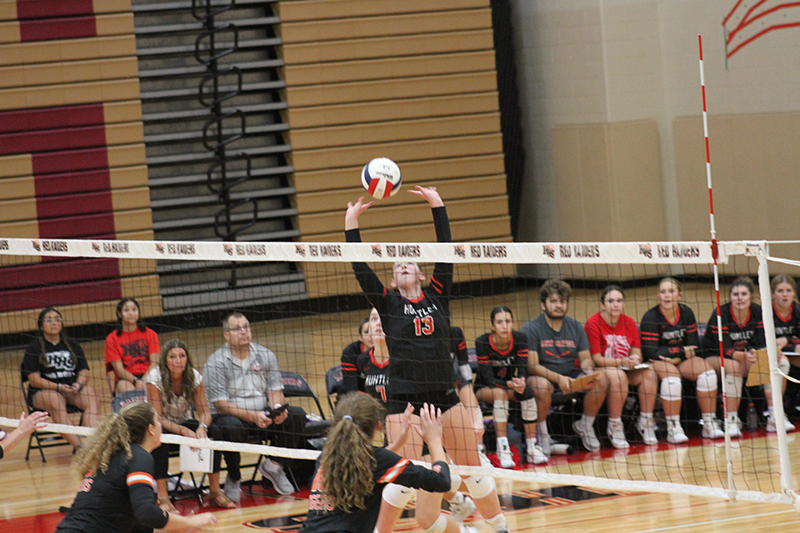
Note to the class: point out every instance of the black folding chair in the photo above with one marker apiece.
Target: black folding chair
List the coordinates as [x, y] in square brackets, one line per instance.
[44, 439]
[296, 386]
[333, 384]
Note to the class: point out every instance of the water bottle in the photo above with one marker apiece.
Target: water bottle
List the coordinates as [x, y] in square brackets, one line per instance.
[752, 417]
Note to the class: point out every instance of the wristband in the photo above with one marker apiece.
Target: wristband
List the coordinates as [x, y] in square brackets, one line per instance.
[58, 388]
[204, 426]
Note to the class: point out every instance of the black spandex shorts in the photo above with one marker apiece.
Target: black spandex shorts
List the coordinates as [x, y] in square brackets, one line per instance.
[444, 400]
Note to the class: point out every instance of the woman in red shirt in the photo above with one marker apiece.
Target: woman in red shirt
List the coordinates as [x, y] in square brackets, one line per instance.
[131, 349]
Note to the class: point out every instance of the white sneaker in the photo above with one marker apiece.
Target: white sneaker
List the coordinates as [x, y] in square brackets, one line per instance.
[675, 434]
[536, 455]
[588, 437]
[504, 455]
[462, 511]
[647, 429]
[616, 432]
[233, 489]
[467, 529]
[274, 472]
[497, 524]
[713, 431]
[771, 428]
[546, 444]
[734, 427]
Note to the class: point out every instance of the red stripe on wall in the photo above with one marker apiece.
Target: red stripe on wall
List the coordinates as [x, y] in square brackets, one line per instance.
[57, 28]
[47, 118]
[72, 182]
[59, 271]
[76, 204]
[69, 160]
[49, 140]
[34, 9]
[56, 295]
[77, 227]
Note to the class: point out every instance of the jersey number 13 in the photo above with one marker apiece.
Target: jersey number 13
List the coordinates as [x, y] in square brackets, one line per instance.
[423, 326]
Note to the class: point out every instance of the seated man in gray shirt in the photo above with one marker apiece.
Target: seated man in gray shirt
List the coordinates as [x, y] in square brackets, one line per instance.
[558, 354]
[245, 396]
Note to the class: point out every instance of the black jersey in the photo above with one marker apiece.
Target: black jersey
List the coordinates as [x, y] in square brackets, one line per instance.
[660, 337]
[735, 336]
[352, 380]
[497, 367]
[417, 331]
[323, 517]
[117, 499]
[374, 373]
[60, 366]
[788, 327]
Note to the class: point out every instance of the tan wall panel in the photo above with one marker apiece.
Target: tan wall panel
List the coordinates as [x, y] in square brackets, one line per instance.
[313, 138]
[72, 72]
[425, 86]
[391, 67]
[8, 9]
[115, 112]
[123, 178]
[11, 210]
[76, 93]
[131, 133]
[144, 285]
[120, 178]
[359, 113]
[119, 24]
[450, 189]
[111, 6]
[25, 208]
[67, 50]
[127, 155]
[388, 217]
[384, 26]
[10, 32]
[136, 267]
[291, 11]
[493, 229]
[425, 44]
[16, 165]
[413, 172]
[12, 188]
[137, 198]
[133, 220]
[404, 151]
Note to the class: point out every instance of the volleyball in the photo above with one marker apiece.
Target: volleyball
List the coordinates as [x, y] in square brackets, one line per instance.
[381, 178]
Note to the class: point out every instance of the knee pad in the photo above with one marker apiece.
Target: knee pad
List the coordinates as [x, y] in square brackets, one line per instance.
[530, 411]
[707, 381]
[733, 386]
[398, 495]
[526, 394]
[784, 365]
[671, 389]
[500, 410]
[479, 486]
[455, 482]
[438, 526]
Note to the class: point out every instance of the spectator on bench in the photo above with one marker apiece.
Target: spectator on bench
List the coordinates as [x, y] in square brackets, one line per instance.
[131, 349]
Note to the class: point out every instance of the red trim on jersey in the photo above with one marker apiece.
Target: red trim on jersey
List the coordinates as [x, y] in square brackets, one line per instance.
[677, 316]
[784, 318]
[392, 473]
[376, 363]
[733, 316]
[510, 345]
[416, 300]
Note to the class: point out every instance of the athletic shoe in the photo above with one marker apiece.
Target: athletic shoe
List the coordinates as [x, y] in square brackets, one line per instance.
[274, 472]
[588, 437]
[536, 455]
[497, 524]
[675, 434]
[505, 456]
[485, 461]
[616, 432]
[735, 427]
[233, 489]
[789, 427]
[467, 529]
[713, 431]
[462, 511]
[546, 443]
[647, 429]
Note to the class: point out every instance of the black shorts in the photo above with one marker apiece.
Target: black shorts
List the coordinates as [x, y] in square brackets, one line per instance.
[444, 400]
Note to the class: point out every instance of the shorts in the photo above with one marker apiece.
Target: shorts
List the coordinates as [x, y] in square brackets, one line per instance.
[574, 374]
[444, 400]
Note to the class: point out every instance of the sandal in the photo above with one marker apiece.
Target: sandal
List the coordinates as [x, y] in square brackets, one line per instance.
[166, 505]
[218, 500]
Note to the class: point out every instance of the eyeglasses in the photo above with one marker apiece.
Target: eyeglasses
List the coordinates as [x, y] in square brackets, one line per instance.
[52, 320]
[240, 328]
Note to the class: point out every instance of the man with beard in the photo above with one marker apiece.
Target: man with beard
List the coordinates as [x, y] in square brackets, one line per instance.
[558, 356]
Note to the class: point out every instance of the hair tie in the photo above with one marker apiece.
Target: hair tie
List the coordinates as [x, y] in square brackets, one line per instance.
[347, 417]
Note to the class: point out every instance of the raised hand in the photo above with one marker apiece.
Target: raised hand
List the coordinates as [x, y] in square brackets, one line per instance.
[354, 211]
[429, 194]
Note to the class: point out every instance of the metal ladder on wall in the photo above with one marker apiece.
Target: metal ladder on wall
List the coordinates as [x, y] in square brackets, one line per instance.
[216, 146]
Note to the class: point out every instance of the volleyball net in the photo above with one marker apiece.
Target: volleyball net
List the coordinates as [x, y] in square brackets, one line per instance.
[307, 307]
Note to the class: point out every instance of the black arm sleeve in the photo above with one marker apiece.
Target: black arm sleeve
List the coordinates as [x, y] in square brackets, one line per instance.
[521, 358]
[30, 361]
[442, 278]
[370, 284]
[141, 495]
[419, 477]
[350, 374]
[485, 369]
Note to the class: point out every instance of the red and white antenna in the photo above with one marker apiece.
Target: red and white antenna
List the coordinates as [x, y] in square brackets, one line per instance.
[715, 254]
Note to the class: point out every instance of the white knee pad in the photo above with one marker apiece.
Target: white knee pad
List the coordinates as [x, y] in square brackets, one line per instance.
[733, 386]
[479, 486]
[671, 389]
[455, 483]
[500, 410]
[530, 411]
[438, 526]
[398, 495]
[707, 381]
[784, 365]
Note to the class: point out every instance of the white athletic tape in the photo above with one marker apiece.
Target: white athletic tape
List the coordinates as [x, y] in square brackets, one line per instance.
[671, 389]
[707, 381]
[479, 486]
[398, 495]
[438, 526]
[500, 411]
[530, 411]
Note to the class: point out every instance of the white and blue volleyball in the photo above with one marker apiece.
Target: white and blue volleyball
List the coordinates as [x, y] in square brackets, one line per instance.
[381, 178]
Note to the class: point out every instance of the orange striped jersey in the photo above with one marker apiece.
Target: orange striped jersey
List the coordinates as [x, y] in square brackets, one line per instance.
[660, 337]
